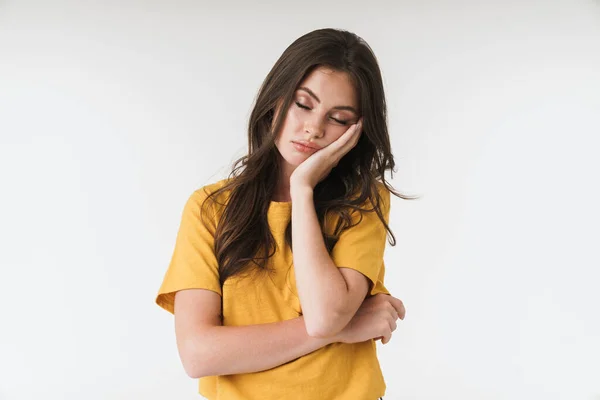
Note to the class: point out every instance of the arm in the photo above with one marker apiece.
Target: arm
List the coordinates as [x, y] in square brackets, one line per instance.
[206, 348]
[329, 295]
[331, 288]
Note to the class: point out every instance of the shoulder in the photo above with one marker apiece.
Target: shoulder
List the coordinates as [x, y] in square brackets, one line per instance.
[365, 214]
[384, 194]
[381, 196]
[200, 194]
[211, 187]
[383, 191]
[197, 206]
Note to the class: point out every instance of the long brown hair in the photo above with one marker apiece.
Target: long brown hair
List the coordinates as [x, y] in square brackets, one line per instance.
[242, 235]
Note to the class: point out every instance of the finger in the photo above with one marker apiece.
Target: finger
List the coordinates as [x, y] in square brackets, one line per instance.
[355, 140]
[386, 338]
[345, 142]
[338, 148]
[393, 314]
[399, 306]
[393, 325]
[359, 131]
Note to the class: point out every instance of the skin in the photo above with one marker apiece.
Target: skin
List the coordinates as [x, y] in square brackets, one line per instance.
[325, 115]
[322, 125]
[206, 347]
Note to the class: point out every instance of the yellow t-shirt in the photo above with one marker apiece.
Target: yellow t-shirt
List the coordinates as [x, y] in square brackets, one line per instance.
[338, 371]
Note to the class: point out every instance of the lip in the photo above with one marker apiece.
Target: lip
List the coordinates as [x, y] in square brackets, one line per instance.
[303, 149]
[306, 144]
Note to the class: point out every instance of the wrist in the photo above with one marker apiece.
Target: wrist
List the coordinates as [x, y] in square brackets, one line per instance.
[300, 190]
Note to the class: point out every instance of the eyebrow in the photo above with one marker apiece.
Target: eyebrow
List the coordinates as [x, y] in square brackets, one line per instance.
[312, 94]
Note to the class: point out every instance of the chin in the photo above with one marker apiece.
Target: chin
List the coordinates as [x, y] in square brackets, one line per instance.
[292, 158]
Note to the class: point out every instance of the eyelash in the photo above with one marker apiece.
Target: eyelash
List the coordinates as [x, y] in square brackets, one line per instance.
[307, 108]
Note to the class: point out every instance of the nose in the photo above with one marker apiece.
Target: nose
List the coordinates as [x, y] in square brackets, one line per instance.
[314, 127]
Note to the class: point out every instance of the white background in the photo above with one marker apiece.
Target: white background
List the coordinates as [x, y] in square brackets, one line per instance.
[112, 113]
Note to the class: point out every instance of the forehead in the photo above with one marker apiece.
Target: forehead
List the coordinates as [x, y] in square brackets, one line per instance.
[333, 88]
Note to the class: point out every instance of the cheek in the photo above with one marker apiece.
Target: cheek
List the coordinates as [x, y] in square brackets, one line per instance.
[284, 136]
[294, 116]
[334, 134]
[292, 123]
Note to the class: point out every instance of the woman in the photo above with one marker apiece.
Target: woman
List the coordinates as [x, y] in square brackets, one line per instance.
[274, 301]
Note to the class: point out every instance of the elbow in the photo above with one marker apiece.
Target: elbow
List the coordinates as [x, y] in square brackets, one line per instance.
[197, 374]
[324, 326]
[196, 362]
[197, 369]
[321, 333]
[315, 330]
[192, 371]
[193, 368]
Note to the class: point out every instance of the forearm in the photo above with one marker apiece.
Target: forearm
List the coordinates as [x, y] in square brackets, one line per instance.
[225, 350]
[321, 287]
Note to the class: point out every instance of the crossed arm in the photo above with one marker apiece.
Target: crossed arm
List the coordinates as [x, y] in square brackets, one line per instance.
[206, 348]
[330, 296]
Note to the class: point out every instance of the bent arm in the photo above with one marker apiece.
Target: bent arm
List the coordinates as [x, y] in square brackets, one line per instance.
[329, 295]
[207, 348]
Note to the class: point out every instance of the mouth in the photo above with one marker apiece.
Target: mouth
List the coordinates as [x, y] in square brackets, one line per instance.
[310, 146]
[304, 148]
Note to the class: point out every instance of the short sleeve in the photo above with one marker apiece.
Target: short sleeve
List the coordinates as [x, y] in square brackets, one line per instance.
[193, 263]
[362, 246]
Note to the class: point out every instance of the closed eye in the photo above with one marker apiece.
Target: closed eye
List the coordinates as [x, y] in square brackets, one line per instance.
[308, 108]
[302, 106]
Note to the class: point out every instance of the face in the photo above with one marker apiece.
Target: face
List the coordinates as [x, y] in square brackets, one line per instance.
[324, 106]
